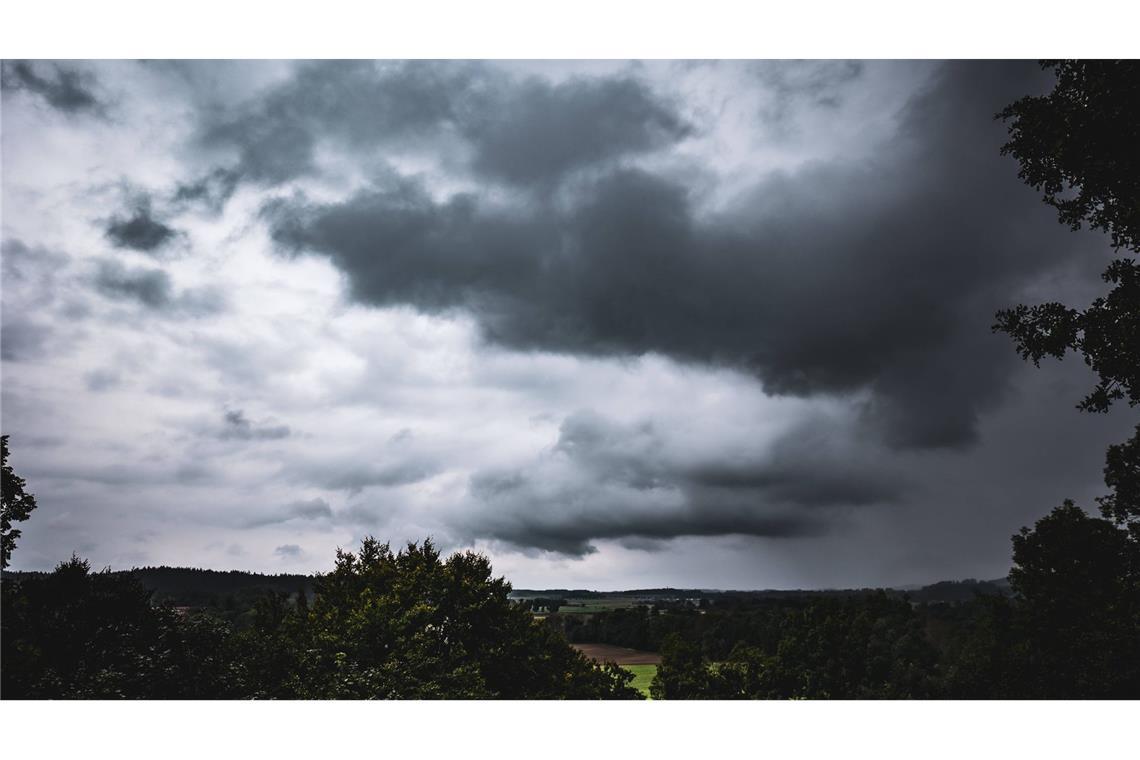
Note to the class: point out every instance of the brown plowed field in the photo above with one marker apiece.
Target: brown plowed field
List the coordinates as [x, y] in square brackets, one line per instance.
[618, 655]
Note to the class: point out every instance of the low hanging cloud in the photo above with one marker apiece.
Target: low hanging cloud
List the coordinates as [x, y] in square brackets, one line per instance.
[630, 482]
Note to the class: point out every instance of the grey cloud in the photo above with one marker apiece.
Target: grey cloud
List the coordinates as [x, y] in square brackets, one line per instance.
[101, 380]
[211, 190]
[235, 426]
[31, 277]
[140, 231]
[356, 476]
[524, 132]
[403, 435]
[631, 483]
[817, 464]
[877, 277]
[357, 102]
[568, 518]
[153, 289]
[31, 265]
[61, 86]
[22, 339]
[150, 287]
[312, 510]
[289, 551]
[134, 475]
[791, 83]
[537, 132]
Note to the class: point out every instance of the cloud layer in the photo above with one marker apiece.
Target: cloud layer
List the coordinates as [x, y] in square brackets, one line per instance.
[619, 324]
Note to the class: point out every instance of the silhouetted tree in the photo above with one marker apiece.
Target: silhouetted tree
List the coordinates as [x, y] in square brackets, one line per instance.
[1122, 475]
[1076, 580]
[1071, 629]
[16, 505]
[1077, 145]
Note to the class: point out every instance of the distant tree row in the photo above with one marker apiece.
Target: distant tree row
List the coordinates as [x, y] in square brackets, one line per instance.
[1071, 630]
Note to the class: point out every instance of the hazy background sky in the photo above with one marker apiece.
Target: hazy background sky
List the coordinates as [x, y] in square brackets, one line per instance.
[716, 324]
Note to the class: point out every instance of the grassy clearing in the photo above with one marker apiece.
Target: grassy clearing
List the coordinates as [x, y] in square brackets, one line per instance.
[591, 606]
[642, 677]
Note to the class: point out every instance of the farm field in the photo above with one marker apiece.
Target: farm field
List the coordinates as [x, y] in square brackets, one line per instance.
[643, 665]
[590, 606]
[642, 677]
[618, 655]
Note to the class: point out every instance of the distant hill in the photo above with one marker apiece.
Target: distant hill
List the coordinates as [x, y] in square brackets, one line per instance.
[943, 591]
[197, 587]
[959, 591]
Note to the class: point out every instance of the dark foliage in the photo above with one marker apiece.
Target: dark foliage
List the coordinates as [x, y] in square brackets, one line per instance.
[1066, 625]
[1072, 629]
[75, 634]
[381, 625]
[16, 505]
[683, 673]
[1122, 475]
[1077, 145]
[863, 647]
[411, 625]
[1107, 334]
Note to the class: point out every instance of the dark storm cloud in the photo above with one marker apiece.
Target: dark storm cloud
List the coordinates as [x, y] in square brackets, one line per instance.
[879, 276]
[527, 530]
[140, 230]
[525, 132]
[806, 467]
[235, 426]
[61, 86]
[538, 132]
[532, 510]
[633, 483]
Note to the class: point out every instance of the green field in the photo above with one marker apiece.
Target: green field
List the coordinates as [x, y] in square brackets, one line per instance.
[591, 606]
[642, 677]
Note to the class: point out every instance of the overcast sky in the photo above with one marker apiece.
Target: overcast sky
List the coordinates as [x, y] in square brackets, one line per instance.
[614, 324]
